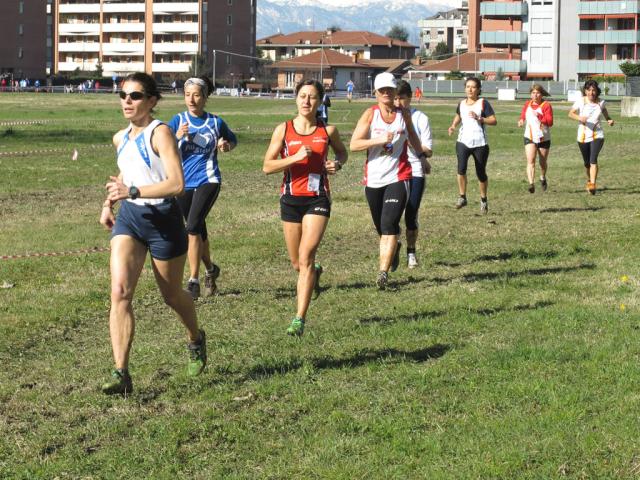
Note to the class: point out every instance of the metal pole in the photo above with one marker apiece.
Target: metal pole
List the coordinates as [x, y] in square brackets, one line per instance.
[214, 69]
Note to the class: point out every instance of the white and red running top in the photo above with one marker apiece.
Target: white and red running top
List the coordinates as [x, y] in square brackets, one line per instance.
[389, 163]
[538, 118]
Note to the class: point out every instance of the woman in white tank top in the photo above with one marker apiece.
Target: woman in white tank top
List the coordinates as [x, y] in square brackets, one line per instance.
[148, 219]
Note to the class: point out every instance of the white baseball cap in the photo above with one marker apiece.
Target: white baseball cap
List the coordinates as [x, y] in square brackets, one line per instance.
[385, 80]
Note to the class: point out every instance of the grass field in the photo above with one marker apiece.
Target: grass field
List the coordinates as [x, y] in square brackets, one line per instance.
[512, 352]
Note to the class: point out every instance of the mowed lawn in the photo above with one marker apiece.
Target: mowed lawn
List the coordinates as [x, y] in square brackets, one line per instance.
[512, 352]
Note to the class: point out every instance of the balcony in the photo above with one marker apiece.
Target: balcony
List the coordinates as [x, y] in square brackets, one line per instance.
[503, 9]
[170, 67]
[175, 27]
[600, 37]
[79, 47]
[121, 48]
[123, 67]
[610, 67]
[80, 8]
[516, 66]
[123, 7]
[123, 27]
[601, 8]
[71, 66]
[183, 8]
[79, 28]
[169, 47]
[502, 37]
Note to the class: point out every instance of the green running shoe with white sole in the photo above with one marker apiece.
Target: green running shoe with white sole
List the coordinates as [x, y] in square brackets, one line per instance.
[120, 383]
[197, 355]
[296, 328]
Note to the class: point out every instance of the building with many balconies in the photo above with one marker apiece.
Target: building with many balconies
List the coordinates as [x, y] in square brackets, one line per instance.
[608, 35]
[161, 37]
[534, 34]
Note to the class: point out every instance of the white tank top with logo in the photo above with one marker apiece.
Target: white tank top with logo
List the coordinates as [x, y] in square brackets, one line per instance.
[472, 133]
[139, 164]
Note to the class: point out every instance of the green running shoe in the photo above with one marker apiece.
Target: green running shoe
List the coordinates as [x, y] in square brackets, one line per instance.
[197, 355]
[316, 286]
[297, 327]
[120, 383]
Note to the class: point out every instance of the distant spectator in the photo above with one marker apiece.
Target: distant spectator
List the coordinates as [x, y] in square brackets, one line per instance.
[350, 86]
[323, 110]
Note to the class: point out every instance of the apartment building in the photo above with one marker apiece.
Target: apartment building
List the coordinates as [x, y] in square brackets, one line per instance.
[161, 37]
[608, 35]
[537, 36]
[26, 50]
[450, 27]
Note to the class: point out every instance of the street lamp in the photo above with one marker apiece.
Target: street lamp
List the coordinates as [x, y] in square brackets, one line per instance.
[214, 69]
[233, 84]
[370, 83]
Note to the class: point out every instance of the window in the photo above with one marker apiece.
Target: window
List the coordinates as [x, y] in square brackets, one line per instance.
[20, 52]
[20, 29]
[541, 25]
[228, 39]
[229, 20]
[21, 8]
[290, 79]
[228, 60]
[229, 2]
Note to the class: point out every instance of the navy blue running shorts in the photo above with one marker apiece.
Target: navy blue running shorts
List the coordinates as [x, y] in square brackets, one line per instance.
[160, 227]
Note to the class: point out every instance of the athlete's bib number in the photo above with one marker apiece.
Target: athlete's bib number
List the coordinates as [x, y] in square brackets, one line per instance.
[313, 182]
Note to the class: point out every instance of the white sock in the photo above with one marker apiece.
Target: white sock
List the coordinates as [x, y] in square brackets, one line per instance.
[194, 280]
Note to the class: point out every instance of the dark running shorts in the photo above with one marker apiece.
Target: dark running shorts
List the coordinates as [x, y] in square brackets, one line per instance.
[545, 145]
[160, 227]
[293, 208]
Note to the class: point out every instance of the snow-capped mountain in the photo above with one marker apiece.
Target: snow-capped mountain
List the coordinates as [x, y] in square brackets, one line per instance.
[378, 16]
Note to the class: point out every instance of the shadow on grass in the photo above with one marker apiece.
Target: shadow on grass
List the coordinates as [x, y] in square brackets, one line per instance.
[475, 277]
[570, 209]
[503, 257]
[388, 355]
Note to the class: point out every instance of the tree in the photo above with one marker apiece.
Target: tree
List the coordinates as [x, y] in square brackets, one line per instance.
[455, 75]
[630, 69]
[441, 52]
[398, 32]
[334, 28]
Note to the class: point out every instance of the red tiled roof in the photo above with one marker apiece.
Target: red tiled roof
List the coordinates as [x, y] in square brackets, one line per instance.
[339, 37]
[465, 62]
[330, 58]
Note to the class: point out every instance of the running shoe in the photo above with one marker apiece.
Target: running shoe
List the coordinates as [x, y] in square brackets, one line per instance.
[543, 184]
[197, 355]
[382, 280]
[484, 206]
[591, 188]
[412, 260]
[120, 383]
[461, 202]
[316, 286]
[396, 258]
[193, 288]
[296, 328]
[532, 188]
[210, 277]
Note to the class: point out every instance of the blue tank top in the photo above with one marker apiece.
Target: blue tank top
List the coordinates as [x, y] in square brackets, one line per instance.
[199, 148]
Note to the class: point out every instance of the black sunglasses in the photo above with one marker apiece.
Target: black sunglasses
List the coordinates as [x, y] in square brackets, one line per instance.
[134, 95]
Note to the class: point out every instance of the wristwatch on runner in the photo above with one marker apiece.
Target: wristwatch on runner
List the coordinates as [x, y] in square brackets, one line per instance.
[133, 192]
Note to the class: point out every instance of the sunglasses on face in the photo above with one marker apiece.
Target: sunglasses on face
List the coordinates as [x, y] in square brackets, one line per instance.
[133, 95]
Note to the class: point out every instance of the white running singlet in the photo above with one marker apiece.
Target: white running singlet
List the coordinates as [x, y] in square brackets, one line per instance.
[387, 164]
[139, 164]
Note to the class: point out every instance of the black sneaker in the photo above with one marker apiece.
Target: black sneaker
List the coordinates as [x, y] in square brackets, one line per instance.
[396, 258]
[461, 202]
[210, 277]
[532, 188]
[120, 383]
[193, 289]
[543, 184]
